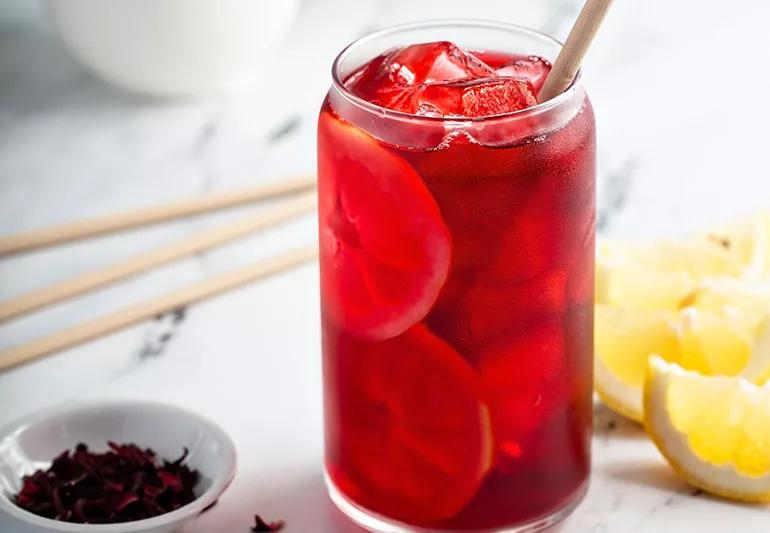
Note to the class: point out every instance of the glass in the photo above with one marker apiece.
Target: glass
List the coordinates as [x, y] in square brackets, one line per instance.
[457, 263]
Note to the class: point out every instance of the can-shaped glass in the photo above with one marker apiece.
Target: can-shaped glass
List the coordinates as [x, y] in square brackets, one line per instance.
[457, 279]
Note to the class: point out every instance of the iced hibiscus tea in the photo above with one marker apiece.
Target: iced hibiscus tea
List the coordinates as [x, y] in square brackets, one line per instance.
[456, 252]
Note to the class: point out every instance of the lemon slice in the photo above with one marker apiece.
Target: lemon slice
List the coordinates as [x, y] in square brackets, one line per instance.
[710, 342]
[713, 430]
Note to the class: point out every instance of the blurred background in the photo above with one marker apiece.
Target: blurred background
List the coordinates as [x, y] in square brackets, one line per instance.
[100, 112]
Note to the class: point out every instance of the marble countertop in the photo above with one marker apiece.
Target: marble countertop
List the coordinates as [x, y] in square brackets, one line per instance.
[681, 120]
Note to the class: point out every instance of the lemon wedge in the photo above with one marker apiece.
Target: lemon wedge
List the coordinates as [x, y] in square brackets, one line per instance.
[658, 275]
[623, 341]
[708, 341]
[713, 430]
[728, 293]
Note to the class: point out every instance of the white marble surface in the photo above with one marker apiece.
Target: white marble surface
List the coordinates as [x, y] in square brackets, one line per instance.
[680, 92]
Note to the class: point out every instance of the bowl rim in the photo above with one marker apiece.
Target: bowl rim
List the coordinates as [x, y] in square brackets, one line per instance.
[221, 480]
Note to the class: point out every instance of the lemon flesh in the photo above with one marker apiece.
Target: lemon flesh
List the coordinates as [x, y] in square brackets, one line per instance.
[713, 430]
[708, 341]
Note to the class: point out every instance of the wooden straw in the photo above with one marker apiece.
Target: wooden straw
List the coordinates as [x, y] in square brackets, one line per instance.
[149, 215]
[142, 311]
[146, 261]
[571, 56]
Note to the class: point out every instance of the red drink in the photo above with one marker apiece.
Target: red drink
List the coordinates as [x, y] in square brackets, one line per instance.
[457, 245]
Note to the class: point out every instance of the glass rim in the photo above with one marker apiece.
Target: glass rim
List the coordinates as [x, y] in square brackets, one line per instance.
[552, 103]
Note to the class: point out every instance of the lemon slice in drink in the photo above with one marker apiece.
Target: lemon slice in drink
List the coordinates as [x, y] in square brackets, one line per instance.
[707, 341]
[713, 430]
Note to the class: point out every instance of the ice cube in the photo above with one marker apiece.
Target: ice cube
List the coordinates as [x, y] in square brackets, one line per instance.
[476, 97]
[434, 62]
[397, 99]
[388, 79]
[531, 68]
[440, 79]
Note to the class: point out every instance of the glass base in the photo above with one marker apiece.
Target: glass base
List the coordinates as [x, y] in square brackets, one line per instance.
[380, 524]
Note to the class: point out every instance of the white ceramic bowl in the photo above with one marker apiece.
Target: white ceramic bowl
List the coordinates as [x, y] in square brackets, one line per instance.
[31, 443]
[175, 47]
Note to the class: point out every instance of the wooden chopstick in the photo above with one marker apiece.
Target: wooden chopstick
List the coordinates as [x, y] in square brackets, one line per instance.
[136, 313]
[150, 215]
[154, 258]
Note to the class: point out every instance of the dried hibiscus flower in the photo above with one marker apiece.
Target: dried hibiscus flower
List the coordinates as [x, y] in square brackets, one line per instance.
[121, 485]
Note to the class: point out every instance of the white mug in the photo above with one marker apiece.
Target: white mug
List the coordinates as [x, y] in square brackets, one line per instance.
[175, 47]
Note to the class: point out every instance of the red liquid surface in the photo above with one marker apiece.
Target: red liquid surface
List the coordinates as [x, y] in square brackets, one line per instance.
[457, 297]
